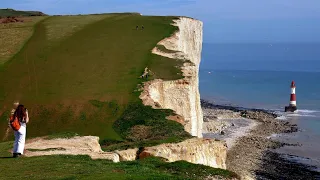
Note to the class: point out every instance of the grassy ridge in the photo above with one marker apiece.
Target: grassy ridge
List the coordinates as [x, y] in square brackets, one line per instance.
[14, 13]
[84, 81]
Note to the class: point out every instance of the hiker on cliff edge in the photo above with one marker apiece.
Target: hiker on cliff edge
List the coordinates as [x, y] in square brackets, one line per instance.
[18, 122]
[145, 73]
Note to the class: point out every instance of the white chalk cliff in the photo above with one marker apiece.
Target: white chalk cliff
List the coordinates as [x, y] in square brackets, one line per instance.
[182, 95]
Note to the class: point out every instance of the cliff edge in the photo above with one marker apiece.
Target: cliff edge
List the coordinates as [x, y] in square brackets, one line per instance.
[181, 95]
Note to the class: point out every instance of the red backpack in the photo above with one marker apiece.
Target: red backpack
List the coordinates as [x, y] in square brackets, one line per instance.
[15, 123]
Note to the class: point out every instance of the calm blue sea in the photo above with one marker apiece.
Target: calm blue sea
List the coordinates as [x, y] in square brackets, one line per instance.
[259, 76]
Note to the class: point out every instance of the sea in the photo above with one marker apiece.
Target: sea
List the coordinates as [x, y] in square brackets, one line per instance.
[259, 75]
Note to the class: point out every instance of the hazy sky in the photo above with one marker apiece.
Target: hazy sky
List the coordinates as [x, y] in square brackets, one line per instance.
[224, 20]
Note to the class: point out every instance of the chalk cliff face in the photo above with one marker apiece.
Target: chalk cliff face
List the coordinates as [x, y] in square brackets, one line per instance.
[182, 95]
[199, 151]
[208, 152]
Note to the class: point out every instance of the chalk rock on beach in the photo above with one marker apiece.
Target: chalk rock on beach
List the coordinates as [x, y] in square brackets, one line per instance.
[128, 155]
[215, 126]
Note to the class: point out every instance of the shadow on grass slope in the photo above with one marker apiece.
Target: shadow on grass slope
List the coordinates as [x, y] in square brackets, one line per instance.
[87, 81]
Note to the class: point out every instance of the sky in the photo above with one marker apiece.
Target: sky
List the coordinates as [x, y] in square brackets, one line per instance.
[225, 21]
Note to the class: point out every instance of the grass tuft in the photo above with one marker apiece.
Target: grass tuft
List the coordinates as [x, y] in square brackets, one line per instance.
[63, 135]
[48, 149]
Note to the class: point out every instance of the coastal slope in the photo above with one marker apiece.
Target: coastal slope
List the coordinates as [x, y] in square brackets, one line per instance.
[80, 76]
[180, 95]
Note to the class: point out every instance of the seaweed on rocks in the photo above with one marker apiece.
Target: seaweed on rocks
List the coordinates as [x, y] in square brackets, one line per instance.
[245, 112]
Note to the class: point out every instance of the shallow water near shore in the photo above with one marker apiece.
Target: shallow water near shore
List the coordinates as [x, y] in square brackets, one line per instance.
[309, 137]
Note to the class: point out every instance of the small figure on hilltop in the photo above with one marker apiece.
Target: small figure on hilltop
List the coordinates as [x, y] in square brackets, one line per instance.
[145, 73]
[142, 27]
[137, 27]
[18, 121]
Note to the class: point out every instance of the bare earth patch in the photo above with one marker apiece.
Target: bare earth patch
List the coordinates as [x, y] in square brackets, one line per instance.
[14, 35]
[86, 145]
[64, 26]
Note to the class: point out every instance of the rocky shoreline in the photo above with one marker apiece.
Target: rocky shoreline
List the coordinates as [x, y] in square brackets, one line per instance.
[252, 155]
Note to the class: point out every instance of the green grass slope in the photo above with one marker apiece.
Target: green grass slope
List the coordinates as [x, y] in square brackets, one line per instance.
[82, 77]
[14, 13]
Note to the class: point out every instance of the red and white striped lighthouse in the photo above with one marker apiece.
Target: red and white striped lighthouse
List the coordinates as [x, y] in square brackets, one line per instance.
[293, 101]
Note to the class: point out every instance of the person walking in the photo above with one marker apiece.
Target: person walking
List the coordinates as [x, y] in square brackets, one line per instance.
[20, 135]
[145, 73]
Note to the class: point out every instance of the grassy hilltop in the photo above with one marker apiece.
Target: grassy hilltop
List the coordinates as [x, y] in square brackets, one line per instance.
[80, 74]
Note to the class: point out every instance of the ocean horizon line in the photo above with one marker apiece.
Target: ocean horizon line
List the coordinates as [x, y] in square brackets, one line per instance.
[262, 42]
[255, 70]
